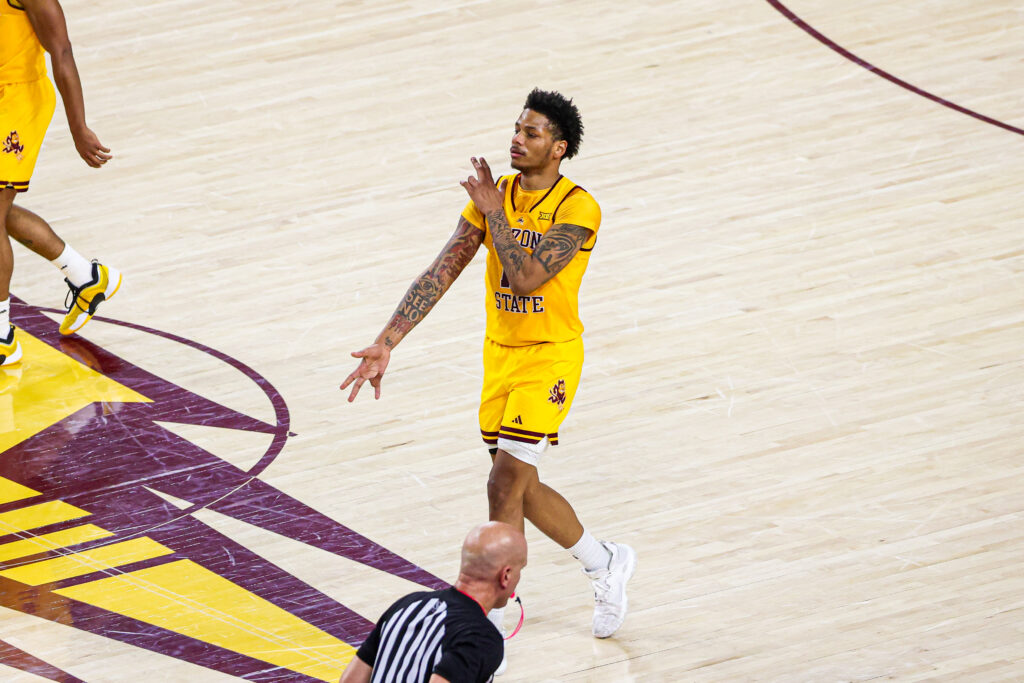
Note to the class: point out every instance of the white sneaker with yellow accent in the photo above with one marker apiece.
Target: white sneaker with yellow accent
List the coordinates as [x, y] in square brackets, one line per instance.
[83, 301]
[610, 603]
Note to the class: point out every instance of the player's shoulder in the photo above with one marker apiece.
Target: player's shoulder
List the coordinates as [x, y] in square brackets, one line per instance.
[580, 194]
[578, 202]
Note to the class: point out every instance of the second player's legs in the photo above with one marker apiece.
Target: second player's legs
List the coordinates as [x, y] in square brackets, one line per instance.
[6, 253]
[34, 233]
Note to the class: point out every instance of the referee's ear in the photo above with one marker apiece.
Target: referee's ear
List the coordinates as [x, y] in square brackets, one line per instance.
[505, 576]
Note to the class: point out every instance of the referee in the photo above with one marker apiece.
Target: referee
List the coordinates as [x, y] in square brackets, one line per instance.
[445, 636]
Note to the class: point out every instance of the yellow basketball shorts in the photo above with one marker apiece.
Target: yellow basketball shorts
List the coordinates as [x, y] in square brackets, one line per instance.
[25, 113]
[527, 393]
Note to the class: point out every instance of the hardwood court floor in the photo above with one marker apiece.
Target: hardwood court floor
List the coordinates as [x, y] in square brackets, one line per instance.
[803, 393]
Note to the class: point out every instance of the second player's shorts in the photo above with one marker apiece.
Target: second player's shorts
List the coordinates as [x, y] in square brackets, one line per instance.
[25, 113]
[527, 393]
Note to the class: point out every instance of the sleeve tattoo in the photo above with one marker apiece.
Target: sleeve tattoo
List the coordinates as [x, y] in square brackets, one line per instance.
[558, 246]
[511, 255]
[427, 289]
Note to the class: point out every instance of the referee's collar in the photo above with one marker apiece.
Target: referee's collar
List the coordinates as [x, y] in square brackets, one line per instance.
[471, 598]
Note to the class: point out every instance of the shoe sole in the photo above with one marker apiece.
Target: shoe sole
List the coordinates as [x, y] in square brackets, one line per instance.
[625, 598]
[108, 294]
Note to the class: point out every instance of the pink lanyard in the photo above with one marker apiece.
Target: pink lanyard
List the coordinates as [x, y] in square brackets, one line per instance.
[522, 617]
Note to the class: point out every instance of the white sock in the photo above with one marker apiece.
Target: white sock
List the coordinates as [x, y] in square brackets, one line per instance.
[5, 317]
[497, 617]
[591, 554]
[74, 266]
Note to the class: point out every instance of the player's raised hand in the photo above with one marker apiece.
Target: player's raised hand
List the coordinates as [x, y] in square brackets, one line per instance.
[371, 368]
[90, 148]
[481, 189]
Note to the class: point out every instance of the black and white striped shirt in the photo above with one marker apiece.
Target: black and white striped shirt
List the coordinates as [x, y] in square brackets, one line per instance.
[444, 632]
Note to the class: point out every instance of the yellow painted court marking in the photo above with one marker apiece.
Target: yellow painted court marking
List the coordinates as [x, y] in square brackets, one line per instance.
[35, 516]
[186, 598]
[50, 387]
[12, 490]
[54, 541]
[87, 561]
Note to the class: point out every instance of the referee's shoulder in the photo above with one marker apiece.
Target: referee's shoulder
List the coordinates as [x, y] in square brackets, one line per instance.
[409, 599]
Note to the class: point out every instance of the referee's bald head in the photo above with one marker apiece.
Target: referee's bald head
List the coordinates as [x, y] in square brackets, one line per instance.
[493, 554]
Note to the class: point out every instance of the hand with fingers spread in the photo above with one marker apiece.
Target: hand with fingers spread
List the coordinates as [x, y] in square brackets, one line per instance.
[90, 148]
[481, 189]
[371, 368]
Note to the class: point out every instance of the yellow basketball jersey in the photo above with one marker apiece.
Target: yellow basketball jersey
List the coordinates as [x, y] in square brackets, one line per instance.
[551, 313]
[22, 57]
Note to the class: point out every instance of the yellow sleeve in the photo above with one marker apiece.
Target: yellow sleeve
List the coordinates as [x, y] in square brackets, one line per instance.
[579, 208]
[473, 216]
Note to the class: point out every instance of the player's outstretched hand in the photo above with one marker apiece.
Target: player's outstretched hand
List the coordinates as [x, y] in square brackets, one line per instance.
[371, 368]
[481, 189]
[90, 148]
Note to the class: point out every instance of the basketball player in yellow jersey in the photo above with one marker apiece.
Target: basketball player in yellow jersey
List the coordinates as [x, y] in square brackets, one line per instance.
[539, 228]
[27, 29]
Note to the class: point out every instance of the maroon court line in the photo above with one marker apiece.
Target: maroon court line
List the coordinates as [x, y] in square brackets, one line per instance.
[828, 42]
[19, 659]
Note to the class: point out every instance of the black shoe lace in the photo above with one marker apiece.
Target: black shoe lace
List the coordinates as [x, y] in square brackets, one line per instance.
[71, 299]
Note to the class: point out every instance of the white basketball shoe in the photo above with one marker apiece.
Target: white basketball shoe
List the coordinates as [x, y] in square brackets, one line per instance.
[610, 602]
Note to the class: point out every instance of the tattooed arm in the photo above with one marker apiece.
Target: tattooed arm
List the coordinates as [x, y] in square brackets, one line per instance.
[424, 292]
[525, 271]
[427, 289]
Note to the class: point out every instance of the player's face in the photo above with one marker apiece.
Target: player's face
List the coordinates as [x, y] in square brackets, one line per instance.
[533, 147]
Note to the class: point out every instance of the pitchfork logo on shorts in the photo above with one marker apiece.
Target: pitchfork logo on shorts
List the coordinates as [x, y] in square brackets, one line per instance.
[12, 145]
[558, 394]
[113, 522]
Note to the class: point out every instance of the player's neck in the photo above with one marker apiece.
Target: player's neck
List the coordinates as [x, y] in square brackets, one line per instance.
[540, 179]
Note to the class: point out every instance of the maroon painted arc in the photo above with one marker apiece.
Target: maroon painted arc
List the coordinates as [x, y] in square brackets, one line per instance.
[831, 44]
[281, 430]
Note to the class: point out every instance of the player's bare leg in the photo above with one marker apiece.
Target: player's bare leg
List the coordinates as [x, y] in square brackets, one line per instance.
[551, 513]
[6, 253]
[506, 488]
[10, 349]
[34, 233]
[514, 491]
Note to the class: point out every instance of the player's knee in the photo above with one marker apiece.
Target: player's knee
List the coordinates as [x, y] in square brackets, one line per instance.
[504, 486]
[499, 490]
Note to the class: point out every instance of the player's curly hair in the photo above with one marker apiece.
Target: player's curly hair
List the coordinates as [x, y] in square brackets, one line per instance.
[566, 122]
